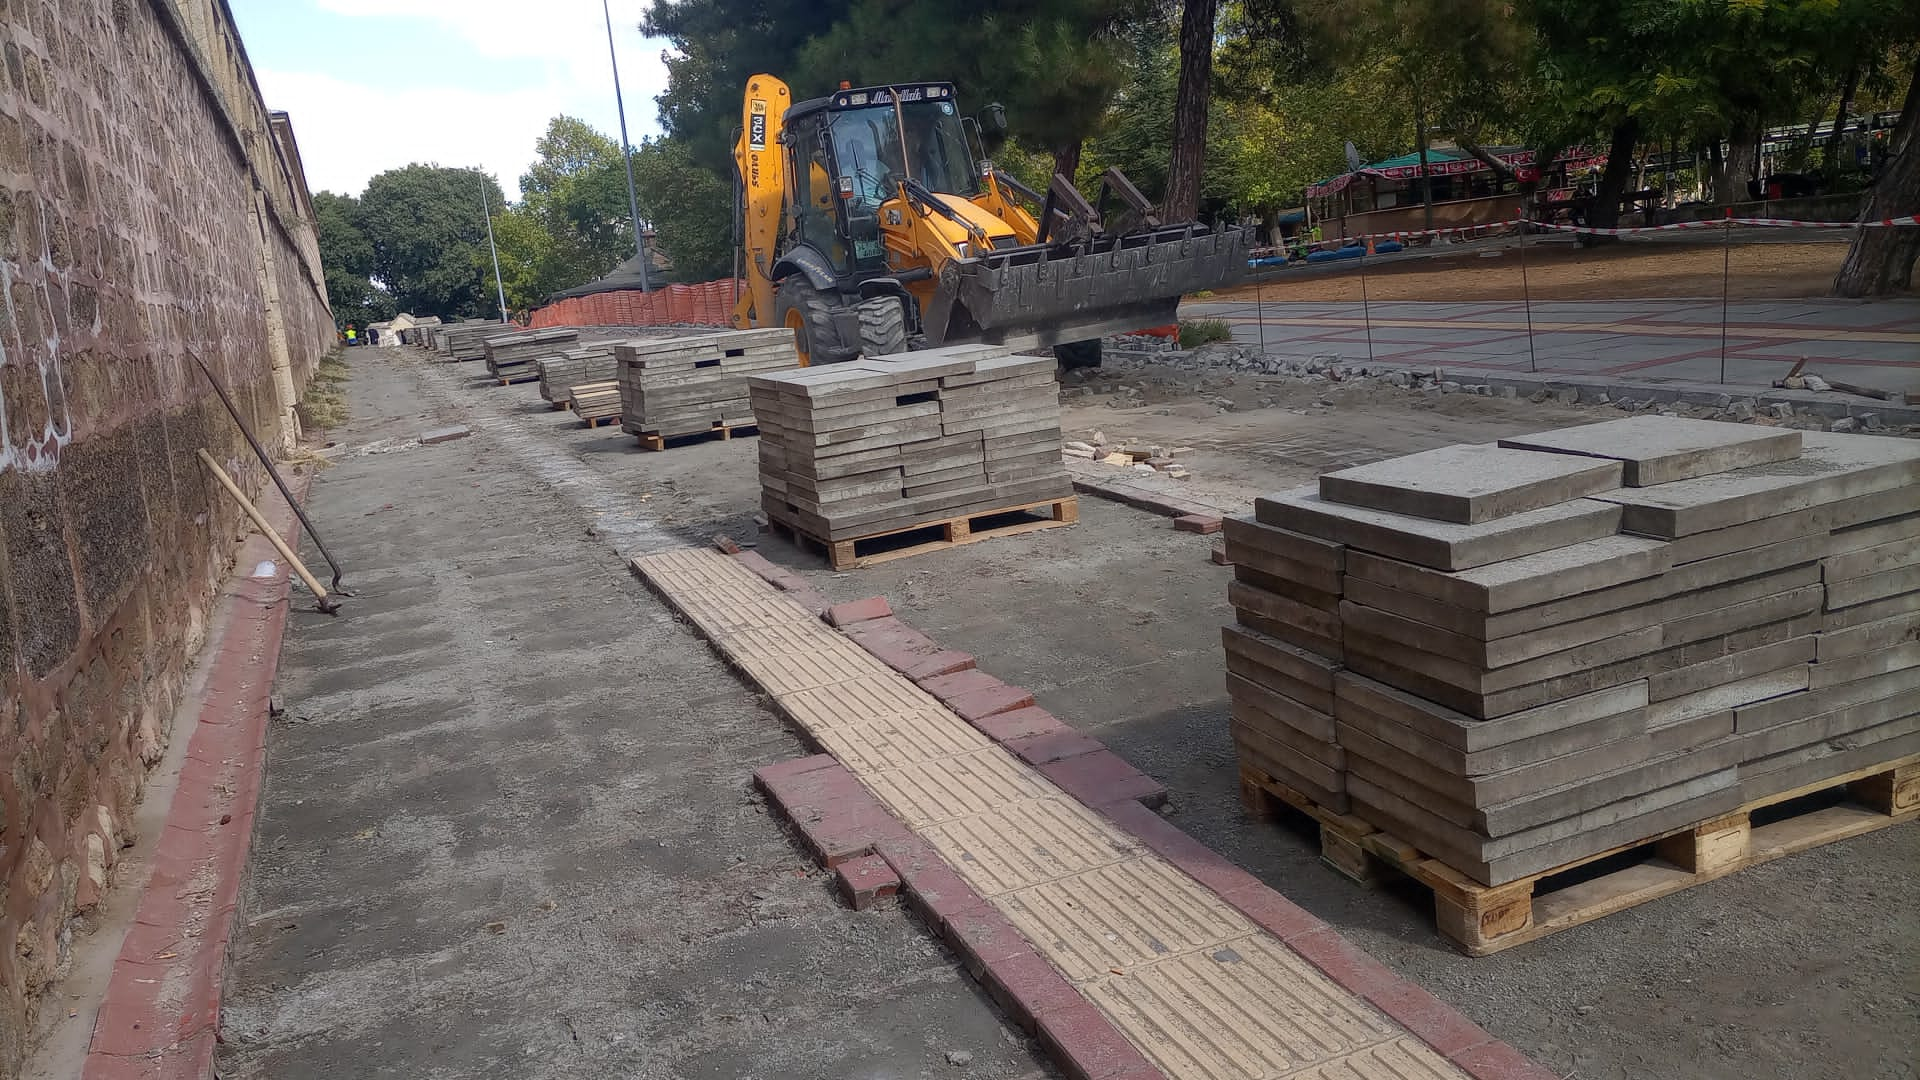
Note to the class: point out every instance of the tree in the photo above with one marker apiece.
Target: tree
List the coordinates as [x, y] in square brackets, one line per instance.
[429, 234]
[346, 255]
[575, 193]
[1190, 109]
[1880, 261]
[690, 208]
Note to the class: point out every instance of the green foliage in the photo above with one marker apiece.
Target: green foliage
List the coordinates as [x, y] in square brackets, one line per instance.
[690, 208]
[429, 235]
[1197, 332]
[574, 199]
[346, 255]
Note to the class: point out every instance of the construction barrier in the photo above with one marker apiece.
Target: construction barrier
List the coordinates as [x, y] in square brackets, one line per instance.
[707, 304]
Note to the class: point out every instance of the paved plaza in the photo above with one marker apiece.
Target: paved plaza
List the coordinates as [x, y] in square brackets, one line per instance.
[1875, 344]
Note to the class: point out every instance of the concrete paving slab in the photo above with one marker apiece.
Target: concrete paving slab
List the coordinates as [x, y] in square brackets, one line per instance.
[1438, 544]
[1527, 580]
[1469, 484]
[1830, 468]
[1662, 449]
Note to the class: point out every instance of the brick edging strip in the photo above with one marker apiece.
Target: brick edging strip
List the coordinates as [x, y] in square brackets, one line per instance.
[161, 1016]
[1099, 778]
[1153, 502]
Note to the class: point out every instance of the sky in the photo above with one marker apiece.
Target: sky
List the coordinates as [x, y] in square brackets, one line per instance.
[373, 85]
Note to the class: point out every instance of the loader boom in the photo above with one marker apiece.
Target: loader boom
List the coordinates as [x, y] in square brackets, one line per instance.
[762, 165]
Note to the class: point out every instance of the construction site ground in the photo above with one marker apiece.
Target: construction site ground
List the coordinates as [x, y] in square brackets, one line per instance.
[508, 807]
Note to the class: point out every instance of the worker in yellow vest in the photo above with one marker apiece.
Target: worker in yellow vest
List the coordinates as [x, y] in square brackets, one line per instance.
[353, 336]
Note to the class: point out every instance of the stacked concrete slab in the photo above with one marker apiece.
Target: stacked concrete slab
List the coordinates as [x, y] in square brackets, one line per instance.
[466, 340]
[590, 362]
[885, 444]
[684, 385]
[1515, 656]
[511, 355]
[594, 401]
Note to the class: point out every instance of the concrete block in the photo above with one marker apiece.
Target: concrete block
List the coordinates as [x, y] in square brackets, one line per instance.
[1663, 449]
[1867, 637]
[1508, 755]
[1270, 745]
[1872, 611]
[1480, 680]
[1268, 727]
[1647, 815]
[1897, 554]
[1683, 628]
[1731, 668]
[1497, 652]
[1270, 652]
[1596, 790]
[1892, 716]
[1874, 534]
[1292, 635]
[1865, 665]
[1727, 696]
[1261, 568]
[1879, 506]
[1469, 484]
[1438, 544]
[1687, 734]
[1527, 580]
[1270, 605]
[1304, 589]
[434, 436]
[1899, 686]
[1880, 586]
[1453, 729]
[1477, 792]
[1246, 533]
[1830, 468]
[1805, 765]
[1290, 711]
[1800, 525]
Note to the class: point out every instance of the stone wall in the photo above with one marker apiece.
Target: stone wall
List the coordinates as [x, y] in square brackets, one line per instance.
[151, 211]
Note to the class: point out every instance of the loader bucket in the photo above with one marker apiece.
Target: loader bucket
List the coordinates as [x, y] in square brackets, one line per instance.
[1048, 295]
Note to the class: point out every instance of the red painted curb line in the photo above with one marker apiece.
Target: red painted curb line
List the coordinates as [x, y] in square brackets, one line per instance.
[1101, 780]
[161, 1016]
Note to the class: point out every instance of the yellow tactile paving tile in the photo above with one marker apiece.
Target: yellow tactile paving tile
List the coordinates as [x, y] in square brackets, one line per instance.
[1118, 917]
[869, 746]
[1021, 845]
[873, 697]
[1198, 988]
[788, 673]
[1247, 1010]
[930, 792]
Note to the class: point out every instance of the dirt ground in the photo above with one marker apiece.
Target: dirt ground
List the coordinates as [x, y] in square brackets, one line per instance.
[1803, 968]
[1558, 269]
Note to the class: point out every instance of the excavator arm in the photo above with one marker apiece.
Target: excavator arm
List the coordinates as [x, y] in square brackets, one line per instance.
[762, 164]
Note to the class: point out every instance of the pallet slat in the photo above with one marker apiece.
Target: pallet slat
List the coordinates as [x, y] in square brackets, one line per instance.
[1482, 919]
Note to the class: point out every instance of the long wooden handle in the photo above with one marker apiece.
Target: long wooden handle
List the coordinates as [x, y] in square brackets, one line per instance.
[272, 535]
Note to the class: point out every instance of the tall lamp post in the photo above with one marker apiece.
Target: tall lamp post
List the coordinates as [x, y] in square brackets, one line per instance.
[626, 150]
[486, 208]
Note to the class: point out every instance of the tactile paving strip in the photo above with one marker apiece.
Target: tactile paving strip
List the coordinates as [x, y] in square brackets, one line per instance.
[1201, 990]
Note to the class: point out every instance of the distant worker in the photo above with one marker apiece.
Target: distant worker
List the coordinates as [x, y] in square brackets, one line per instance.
[373, 335]
[353, 336]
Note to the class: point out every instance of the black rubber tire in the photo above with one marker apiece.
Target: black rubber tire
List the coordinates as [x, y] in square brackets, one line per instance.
[820, 334]
[883, 326]
[1078, 354]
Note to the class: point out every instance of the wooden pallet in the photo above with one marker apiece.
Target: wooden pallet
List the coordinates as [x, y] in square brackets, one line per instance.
[509, 380]
[1483, 919]
[600, 421]
[720, 430]
[943, 533]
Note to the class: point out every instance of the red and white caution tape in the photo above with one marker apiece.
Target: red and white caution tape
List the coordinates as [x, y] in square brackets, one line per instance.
[1721, 223]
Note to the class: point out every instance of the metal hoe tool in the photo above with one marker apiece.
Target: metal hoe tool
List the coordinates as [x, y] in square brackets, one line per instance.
[261, 452]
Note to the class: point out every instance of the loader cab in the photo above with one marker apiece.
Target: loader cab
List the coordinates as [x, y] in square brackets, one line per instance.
[852, 151]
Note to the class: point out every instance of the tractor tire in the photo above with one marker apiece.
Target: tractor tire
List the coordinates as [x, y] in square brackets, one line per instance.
[808, 312]
[1078, 354]
[883, 326]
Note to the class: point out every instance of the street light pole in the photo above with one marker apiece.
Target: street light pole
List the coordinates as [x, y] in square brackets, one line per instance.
[486, 208]
[626, 150]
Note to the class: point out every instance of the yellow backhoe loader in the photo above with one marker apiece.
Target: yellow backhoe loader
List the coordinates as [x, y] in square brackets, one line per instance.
[872, 222]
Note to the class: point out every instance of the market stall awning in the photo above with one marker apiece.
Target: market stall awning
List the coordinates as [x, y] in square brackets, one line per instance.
[1452, 161]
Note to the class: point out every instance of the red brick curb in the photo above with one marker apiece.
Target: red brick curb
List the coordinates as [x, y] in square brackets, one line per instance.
[1084, 768]
[873, 855]
[161, 1015]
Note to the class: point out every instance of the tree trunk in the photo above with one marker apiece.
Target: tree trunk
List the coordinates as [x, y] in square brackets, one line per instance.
[1613, 182]
[1420, 143]
[1830, 153]
[1880, 261]
[1066, 160]
[1190, 110]
[1743, 157]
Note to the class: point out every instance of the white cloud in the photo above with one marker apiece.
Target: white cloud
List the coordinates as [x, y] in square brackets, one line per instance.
[354, 120]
